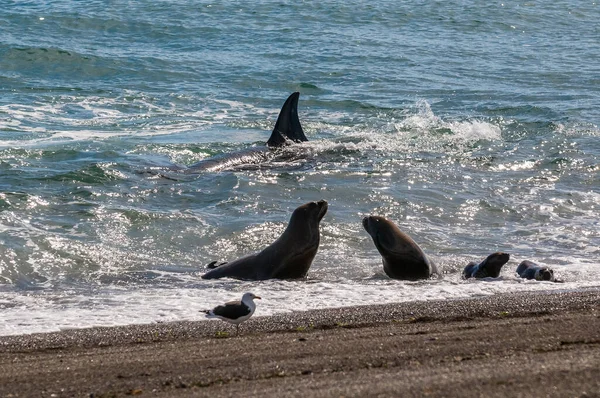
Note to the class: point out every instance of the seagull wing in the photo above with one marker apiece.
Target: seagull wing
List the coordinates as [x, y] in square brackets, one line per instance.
[232, 310]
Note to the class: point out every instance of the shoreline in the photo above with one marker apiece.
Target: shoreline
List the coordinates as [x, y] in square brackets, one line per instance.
[351, 351]
[370, 313]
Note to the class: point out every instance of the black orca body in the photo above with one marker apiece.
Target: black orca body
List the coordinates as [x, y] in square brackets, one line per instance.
[287, 129]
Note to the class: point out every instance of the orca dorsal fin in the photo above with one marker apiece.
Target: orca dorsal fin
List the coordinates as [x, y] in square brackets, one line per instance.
[276, 139]
[287, 125]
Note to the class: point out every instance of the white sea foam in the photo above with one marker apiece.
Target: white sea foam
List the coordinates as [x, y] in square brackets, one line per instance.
[103, 114]
[424, 120]
[47, 312]
[474, 130]
[94, 118]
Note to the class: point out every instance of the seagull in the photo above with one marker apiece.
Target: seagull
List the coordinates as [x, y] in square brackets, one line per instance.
[236, 311]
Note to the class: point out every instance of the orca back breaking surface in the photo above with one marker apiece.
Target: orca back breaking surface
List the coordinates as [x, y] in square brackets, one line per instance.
[287, 128]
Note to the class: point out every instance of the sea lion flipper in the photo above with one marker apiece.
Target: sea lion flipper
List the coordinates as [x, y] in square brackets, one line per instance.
[214, 265]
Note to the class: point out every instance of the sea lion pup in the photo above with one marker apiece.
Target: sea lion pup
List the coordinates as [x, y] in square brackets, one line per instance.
[402, 257]
[488, 268]
[530, 270]
[289, 257]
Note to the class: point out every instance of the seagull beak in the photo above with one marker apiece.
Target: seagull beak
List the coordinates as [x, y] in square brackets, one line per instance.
[257, 297]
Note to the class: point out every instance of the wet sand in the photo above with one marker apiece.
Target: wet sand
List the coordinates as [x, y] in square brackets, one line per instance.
[521, 345]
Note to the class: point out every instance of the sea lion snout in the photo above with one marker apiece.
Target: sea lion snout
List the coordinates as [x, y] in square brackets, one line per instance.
[323, 206]
[365, 223]
[311, 211]
[369, 222]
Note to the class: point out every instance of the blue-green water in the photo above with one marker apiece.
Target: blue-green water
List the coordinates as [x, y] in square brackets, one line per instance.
[473, 126]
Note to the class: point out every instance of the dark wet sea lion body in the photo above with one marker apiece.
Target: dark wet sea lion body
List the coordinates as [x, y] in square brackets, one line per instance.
[530, 270]
[289, 257]
[402, 257]
[488, 268]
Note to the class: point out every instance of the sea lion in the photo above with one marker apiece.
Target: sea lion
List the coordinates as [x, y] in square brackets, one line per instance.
[287, 129]
[402, 257]
[289, 257]
[488, 268]
[530, 270]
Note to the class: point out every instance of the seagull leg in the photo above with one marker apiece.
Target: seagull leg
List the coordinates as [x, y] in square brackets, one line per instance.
[237, 329]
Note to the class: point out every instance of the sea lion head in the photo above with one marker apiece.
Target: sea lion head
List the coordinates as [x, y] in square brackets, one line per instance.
[311, 212]
[497, 259]
[384, 233]
[304, 222]
[297, 246]
[491, 266]
[544, 274]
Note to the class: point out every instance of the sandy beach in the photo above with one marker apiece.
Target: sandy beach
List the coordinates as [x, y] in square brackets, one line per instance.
[522, 345]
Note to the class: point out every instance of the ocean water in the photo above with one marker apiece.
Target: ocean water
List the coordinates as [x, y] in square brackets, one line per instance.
[472, 126]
